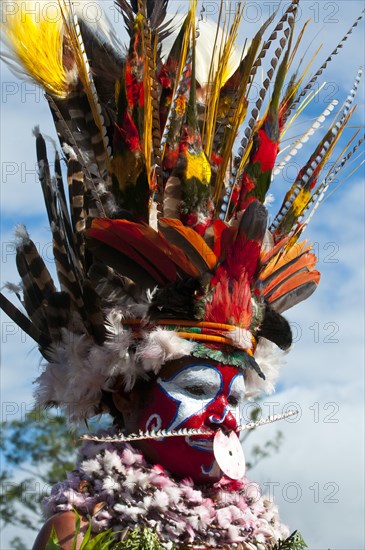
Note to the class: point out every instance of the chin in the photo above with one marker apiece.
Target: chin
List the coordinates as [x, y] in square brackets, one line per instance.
[205, 473]
[190, 457]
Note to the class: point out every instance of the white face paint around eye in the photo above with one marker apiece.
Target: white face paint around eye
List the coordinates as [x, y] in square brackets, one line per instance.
[194, 388]
[237, 391]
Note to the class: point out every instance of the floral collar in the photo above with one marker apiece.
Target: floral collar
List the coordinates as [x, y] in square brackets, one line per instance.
[116, 488]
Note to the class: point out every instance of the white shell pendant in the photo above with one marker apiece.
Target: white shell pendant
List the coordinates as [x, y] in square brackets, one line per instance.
[229, 455]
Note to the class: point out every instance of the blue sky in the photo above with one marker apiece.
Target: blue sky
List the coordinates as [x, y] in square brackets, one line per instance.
[317, 477]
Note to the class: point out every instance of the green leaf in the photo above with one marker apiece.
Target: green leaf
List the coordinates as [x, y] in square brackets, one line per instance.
[53, 543]
[294, 542]
[86, 539]
[103, 541]
[141, 539]
[77, 529]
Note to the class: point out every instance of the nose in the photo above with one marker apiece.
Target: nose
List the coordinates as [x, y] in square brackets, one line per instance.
[221, 417]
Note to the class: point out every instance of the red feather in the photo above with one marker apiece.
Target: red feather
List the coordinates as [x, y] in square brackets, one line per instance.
[231, 302]
[127, 134]
[245, 252]
[266, 152]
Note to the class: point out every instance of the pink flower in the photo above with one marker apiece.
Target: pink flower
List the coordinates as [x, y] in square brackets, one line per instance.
[234, 534]
[160, 500]
[128, 457]
[236, 513]
[160, 480]
[224, 517]
[192, 495]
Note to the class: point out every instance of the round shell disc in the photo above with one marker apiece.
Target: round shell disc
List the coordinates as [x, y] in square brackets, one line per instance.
[229, 455]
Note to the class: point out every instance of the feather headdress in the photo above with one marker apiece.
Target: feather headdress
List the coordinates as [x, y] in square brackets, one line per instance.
[163, 247]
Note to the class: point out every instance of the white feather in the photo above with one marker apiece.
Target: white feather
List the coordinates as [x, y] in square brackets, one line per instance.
[160, 346]
[204, 50]
[241, 337]
[68, 150]
[110, 485]
[21, 235]
[79, 370]
[270, 358]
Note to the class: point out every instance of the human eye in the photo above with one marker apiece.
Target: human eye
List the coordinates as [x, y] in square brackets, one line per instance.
[199, 382]
[236, 391]
[195, 390]
[233, 400]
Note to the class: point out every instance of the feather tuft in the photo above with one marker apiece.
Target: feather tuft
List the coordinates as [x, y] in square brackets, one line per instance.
[37, 45]
[21, 235]
[160, 346]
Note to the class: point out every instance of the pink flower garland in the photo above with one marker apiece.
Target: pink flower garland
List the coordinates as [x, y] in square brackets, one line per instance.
[117, 488]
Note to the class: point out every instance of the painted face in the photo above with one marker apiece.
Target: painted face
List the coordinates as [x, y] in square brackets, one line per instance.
[200, 394]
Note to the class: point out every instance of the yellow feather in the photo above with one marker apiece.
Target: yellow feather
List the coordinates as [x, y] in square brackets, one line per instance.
[198, 167]
[301, 202]
[306, 101]
[141, 23]
[304, 195]
[226, 48]
[338, 135]
[299, 39]
[234, 125]
[37, 44]
[190, 28]
[342, 154]
[147, 133]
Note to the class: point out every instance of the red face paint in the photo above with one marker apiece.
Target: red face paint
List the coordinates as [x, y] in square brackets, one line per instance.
[201, 394]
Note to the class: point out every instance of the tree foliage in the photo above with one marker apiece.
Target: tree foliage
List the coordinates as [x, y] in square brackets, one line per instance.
[38, 450]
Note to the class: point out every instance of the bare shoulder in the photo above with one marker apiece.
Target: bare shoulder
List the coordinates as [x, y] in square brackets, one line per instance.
[64, 525]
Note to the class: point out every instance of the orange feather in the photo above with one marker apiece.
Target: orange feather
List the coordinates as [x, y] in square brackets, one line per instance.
[267, 255]
[305, 262]
[283, 257]
[298, 280]
[190, 241]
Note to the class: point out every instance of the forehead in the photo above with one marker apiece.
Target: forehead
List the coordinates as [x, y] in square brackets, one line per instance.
[189, 368]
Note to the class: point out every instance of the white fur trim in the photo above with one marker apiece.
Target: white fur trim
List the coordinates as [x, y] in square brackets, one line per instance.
[270, 358]
[160, 346]
[79, 369]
